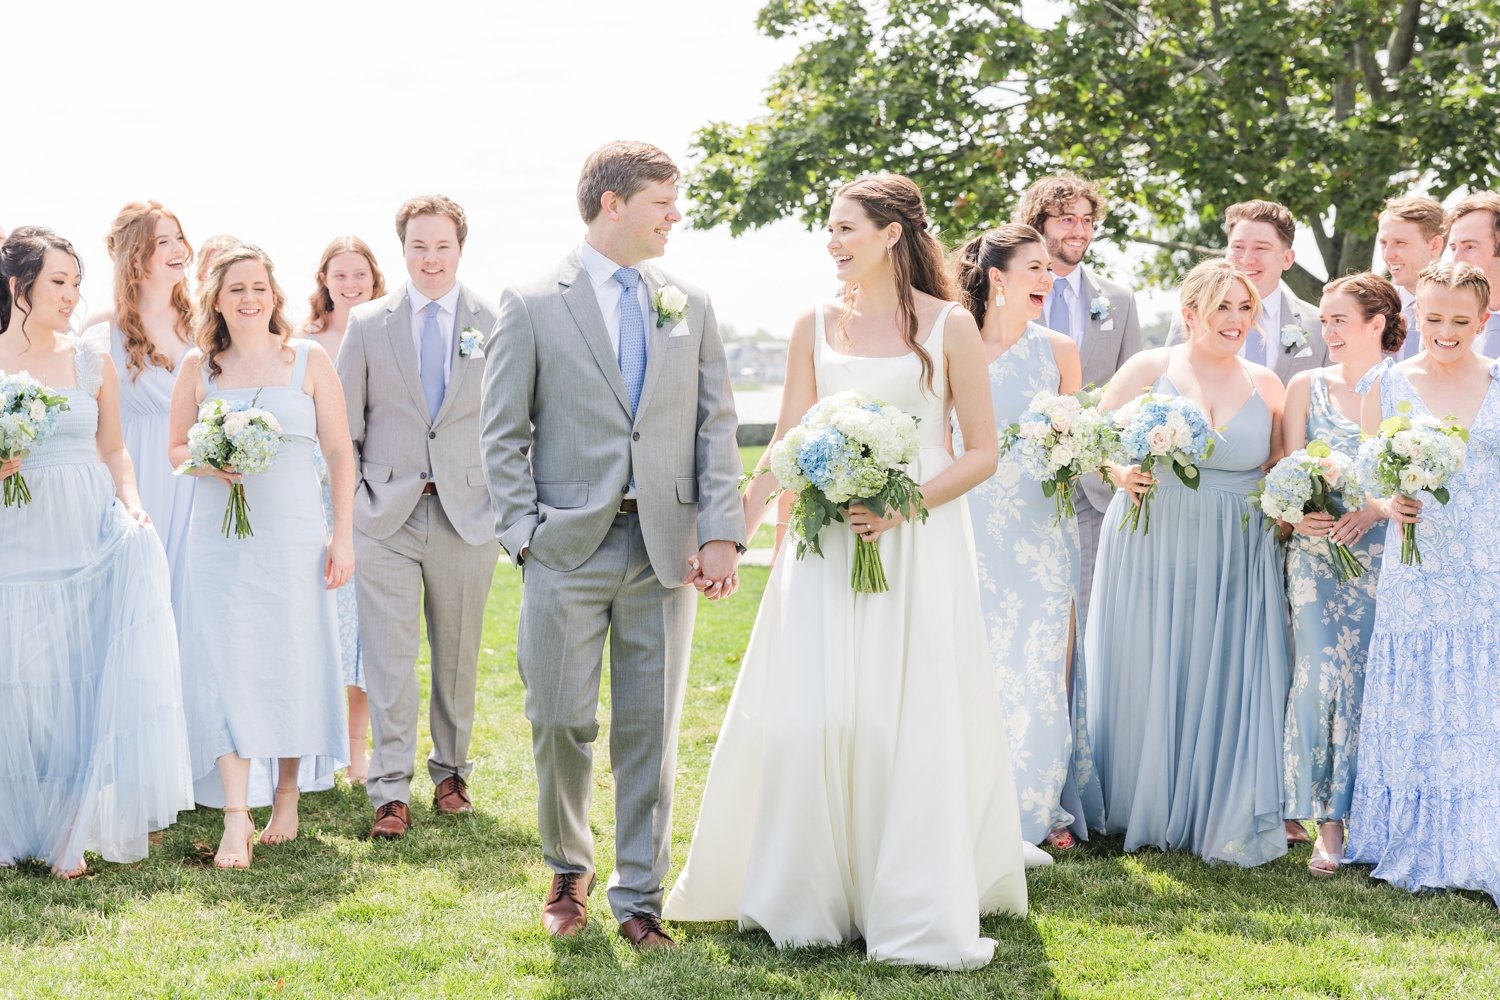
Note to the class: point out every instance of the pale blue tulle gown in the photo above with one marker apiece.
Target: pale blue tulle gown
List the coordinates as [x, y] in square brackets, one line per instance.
[1331, 626]
[145, 418]
[93, 744]
[1186, 657]
[260, 649]
[861, 784]
[1428, 789]
[1028, 587]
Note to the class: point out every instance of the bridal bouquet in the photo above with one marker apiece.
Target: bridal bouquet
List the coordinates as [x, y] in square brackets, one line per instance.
[1157, 428]
[1058, 439]
[233, 437]
[28, 415]
[848, 449]
[1315, 479]
[1411, 454]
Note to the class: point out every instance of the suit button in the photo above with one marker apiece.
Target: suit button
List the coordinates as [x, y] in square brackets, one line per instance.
[625, 489]
[431, 435]
[636, 436]
[422, 475]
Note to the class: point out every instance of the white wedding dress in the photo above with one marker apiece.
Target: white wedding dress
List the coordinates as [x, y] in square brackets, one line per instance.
[861, 786]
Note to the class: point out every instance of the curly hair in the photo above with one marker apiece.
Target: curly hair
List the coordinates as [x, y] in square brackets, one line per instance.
[212, 333]
[131, 242]
[1053, 194]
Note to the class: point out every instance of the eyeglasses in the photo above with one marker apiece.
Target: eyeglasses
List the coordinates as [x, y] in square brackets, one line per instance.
[1073, 221]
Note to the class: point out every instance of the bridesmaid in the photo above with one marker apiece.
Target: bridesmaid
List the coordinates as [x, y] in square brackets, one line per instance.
[347, 275]
[1428, 785]
[1028, 558]
[1331, 622]
[209, 252]
[259, 632]
[93, 745]
[1185, 653]
[146, 336]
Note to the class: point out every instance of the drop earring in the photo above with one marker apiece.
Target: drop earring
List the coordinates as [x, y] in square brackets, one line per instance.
[1000, 298]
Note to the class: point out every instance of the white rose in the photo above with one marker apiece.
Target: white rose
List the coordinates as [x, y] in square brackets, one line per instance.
[1159, 440]
[38, 410]
[235, 423]
[1411, 480]
[1062, 455]
[671, 299]
[1404, 443]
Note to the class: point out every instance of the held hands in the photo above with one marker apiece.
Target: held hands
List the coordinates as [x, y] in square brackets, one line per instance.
[715, 570]
[340, 566]
[1132, 480]
[9, 468]
[869, 525]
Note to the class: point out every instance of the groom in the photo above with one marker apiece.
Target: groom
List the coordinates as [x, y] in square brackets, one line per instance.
[609, 443]
[412, 364]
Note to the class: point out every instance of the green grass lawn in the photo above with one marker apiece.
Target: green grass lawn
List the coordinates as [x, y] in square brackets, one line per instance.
[452, 910]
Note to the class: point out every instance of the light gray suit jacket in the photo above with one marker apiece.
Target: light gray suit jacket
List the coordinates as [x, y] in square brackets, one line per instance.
[1289, 360]
[560, 446]
[398, 448]
[1108, 341]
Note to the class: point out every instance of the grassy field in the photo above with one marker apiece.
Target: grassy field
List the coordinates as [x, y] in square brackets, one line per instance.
[452, 910]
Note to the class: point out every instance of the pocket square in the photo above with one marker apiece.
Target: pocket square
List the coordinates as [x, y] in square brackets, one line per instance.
[680, 330]
[1108, 324]
[1306, 352]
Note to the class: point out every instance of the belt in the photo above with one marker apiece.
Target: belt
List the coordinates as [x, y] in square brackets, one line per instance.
[429, 490]
[627, 507]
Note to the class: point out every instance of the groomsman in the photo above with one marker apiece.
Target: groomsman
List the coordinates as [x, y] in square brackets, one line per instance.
[412, 365]
[1098, 314]
[609, 442]
[1410, 237]
[1474, 238]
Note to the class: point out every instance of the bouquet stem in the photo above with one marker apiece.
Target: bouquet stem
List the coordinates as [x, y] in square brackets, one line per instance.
[1409, 552]
[1346, 565]
[237, 513]
[1064, 498]
[868, 575]
[17, 493]
[1139, 517]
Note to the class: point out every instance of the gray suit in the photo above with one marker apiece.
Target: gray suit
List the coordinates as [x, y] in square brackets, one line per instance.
[561, 449]
[1111, 337]
[1289, 360]
[417, 552]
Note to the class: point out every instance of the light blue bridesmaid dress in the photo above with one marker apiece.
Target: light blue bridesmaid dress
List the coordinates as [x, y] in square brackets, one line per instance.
[1331, 625]
[1028, 586]
[93, 744]
[349, 659]
[260, 650]
[1428, 788]
[145, 418]
[1186, 662]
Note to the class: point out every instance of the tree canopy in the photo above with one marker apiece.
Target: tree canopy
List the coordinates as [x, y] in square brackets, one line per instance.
[1178, 107]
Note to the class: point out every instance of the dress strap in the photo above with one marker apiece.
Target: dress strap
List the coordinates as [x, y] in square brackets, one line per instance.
[299, 366]
[1374, 373]
[934, 349]
[88, 366]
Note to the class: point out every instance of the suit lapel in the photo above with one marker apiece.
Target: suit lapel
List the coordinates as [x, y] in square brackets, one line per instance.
[458, 368]
[398, 331]
[1289, 314]
[656, 337]
[1091, 343]
[578, 295]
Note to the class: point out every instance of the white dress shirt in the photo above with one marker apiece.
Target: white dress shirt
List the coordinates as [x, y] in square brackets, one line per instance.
[1078, 313]
[601, 271]
[1413, 343]
[447, 318]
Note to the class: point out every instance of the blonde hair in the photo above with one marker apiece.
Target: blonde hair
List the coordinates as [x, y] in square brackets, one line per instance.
[1426, 212]
[321, 301]
[212, 334]
[1207, 286]
[1447, 274]
[211, 248]
[131, 242]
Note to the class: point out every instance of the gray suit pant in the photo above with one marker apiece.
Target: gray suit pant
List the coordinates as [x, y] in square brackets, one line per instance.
[1090, 521]
[425, 569]
[564, 620]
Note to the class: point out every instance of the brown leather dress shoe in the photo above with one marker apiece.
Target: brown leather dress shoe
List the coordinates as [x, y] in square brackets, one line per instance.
[451, 796]
[392, 820]
[644, 932]
[566, 910]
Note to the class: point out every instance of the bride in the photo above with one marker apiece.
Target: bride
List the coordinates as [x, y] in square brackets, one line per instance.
[861, 785]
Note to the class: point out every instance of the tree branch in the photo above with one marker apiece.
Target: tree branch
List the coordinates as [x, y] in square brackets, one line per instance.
[1183, 245]
[1403, 38]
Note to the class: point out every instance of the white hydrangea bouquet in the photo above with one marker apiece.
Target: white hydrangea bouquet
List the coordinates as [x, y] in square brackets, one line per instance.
[1411, 454]
[1057, 440]
[1155, 428]
[1315, 479]
[848, 449]
[28, 415]
[233, 437]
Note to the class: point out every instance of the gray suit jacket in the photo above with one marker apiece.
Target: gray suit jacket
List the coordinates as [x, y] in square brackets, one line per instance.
[1109, 340]
[1289, 360]
[398, 449]
[560, 446]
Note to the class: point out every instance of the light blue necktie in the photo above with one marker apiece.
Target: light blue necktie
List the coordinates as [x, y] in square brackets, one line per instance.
[632, 335]
[1255, 341]
[1060, 318]
[433, 350]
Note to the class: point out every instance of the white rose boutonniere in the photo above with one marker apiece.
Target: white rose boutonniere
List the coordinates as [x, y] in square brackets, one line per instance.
[671, 305]
[1292, 337]
[1099, 308]
[470, 343]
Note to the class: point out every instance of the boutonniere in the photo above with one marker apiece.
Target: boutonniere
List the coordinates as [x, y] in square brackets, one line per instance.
[671, 305]
[470, 343]
[1292, 337]
[1099, 308]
